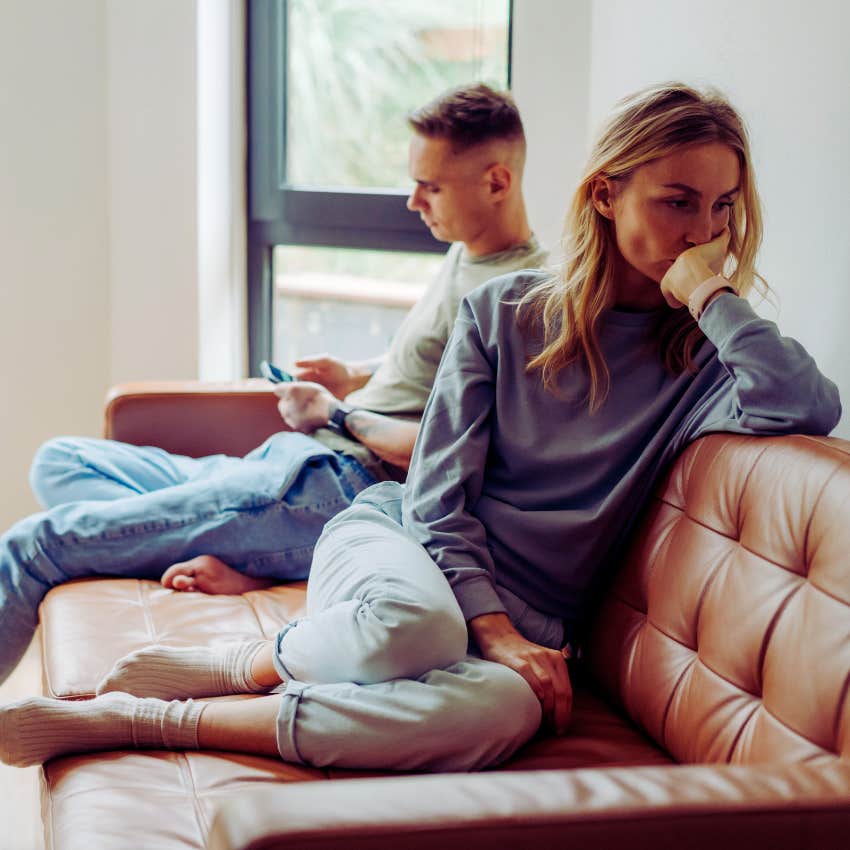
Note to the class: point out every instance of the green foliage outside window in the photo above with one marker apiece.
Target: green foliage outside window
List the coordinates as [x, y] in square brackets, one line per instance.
[358, 67]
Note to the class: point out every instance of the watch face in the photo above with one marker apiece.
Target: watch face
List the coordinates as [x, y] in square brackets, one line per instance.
[337, 421]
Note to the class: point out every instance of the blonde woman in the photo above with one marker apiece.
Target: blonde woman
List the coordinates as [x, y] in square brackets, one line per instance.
[439, 616]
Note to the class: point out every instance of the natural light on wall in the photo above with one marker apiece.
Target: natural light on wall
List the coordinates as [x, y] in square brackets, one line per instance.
[355, 70]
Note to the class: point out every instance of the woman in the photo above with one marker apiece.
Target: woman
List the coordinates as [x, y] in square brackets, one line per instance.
[559, 401]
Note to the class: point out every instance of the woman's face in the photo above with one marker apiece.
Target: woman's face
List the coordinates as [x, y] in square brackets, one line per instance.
[664, 208]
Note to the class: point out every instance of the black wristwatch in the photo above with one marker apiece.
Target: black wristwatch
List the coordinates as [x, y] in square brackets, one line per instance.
[337, 420]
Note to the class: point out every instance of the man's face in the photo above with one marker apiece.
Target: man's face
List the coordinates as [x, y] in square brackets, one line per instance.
[452, 190]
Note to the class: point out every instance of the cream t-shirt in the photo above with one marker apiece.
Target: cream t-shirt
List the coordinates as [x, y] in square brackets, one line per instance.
[402, 383]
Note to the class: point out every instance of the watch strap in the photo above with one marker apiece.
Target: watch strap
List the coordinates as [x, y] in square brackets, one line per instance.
[337, 421]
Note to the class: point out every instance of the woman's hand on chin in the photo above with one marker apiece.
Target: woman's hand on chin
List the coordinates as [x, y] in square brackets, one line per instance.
[692, 267]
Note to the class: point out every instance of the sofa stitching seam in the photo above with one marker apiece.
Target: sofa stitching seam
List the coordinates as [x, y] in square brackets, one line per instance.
[793, 731]
[146, 614]
[740, 733]
[185, 769]
[49, 821]
[744, 487]
[815, 506]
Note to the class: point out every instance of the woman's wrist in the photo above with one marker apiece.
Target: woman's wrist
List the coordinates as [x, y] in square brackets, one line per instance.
[487, 629]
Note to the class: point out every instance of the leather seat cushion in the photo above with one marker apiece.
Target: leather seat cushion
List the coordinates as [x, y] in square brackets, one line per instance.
[169, 797]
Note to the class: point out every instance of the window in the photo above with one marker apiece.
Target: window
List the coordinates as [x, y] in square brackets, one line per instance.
[335, 258]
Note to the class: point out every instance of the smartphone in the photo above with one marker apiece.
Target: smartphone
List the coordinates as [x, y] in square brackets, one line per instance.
[274, 373]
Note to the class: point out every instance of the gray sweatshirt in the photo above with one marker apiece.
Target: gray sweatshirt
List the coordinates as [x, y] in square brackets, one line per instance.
[515, 488]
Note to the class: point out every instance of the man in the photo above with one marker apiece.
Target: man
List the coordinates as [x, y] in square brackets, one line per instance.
[227, 525]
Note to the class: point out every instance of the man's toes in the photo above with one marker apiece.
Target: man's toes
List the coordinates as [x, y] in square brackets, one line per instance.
[177, 574]
[167, 578]
[184, 582]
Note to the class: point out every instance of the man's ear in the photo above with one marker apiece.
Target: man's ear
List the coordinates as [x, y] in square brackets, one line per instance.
[499, 180]
[602, 195]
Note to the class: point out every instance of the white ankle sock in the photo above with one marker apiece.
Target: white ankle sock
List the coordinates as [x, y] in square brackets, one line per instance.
[180, 672]
[37, 729]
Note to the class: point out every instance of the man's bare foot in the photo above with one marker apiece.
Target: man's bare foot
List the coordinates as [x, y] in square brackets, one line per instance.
[208, 574]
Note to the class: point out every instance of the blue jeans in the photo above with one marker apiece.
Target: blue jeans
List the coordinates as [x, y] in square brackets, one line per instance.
[146, 510]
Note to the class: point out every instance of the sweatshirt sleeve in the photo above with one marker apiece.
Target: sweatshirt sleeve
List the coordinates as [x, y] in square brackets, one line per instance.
[447, 469]
[773, 386]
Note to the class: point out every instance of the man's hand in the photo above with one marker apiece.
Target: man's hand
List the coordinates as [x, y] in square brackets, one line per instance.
[692, 267]
[333, 374]
[304, 406]
[544, 669]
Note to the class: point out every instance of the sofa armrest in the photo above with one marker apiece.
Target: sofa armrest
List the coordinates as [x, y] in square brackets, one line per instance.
[646, 808]
[193, 417]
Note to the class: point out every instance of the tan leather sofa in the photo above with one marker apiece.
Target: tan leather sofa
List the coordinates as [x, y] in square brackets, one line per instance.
[712, 709]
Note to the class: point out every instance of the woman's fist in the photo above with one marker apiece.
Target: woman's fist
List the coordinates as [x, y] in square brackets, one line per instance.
[694, 266]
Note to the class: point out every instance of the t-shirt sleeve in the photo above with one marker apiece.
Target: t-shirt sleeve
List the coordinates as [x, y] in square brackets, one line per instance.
[403, 381]
[447, 469]
[773, 386]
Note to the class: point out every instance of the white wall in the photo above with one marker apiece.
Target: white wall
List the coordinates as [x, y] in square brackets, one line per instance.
[176, 168]
[103, 169]
[787, 68]
[550, 82]
[153, 190]
[221, 248]
[54, 256]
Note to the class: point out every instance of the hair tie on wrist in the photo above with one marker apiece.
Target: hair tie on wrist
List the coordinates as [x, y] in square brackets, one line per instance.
[699, 297]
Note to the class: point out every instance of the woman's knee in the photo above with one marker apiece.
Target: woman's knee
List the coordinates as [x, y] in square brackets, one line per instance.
[407, 618]
[361, 521]
[410, 636]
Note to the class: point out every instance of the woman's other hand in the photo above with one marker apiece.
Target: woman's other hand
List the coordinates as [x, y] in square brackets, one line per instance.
[544, 669]
[694, 266]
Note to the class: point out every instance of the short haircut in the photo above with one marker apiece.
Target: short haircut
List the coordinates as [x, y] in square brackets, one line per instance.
[468, 116]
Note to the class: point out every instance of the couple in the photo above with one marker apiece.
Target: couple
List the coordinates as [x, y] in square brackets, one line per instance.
[439, 614]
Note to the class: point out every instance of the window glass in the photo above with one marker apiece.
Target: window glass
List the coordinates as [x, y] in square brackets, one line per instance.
[344, 301]
[356, 68]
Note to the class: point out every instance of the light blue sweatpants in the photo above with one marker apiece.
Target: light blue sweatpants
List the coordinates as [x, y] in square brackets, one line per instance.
[378, 671]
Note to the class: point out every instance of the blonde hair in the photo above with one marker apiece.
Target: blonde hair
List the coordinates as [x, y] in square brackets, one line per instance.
[643, 127]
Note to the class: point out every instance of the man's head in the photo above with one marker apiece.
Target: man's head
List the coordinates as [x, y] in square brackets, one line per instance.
[466, 159]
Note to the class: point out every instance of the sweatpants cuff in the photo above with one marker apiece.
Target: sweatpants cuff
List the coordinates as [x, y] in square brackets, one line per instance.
[279, 666]
[286, 716]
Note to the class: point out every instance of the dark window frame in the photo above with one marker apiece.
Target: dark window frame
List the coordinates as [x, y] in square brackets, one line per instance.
[279, 213]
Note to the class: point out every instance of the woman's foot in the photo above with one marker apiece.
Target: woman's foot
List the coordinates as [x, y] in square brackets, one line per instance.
[32, 731]
[170, 672]
[208, 574]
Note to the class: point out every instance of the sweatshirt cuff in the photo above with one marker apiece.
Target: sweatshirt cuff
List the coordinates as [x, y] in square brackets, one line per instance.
[477, 596]
[726, 314]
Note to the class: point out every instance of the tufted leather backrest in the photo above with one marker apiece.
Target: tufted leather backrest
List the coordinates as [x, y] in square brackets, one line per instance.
[726, 635]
